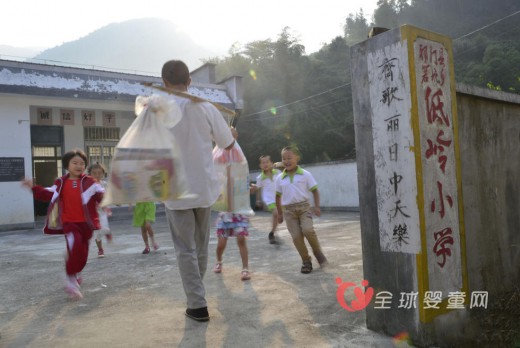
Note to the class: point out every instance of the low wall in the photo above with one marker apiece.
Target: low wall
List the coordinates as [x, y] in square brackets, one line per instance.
[337, 184]
[489, 137]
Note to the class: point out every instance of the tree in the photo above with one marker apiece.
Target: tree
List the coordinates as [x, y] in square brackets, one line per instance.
[356, 28]
[386, 14]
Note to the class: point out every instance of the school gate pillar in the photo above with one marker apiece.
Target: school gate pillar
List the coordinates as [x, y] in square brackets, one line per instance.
[412, 223]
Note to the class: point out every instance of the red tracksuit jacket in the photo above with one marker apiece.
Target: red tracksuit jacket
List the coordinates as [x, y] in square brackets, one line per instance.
[91, 194]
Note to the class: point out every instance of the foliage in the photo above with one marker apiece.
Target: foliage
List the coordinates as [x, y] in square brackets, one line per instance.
[294, 98]
[356, 28]
[277, 76]
[487, 58]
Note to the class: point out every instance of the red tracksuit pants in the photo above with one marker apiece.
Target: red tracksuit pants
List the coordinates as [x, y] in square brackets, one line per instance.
[77, 236]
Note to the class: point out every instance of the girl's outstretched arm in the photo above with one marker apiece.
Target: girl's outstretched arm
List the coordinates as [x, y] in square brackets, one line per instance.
[40, 193]
[27, 183]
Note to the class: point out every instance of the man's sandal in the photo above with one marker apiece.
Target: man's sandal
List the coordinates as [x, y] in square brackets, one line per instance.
[245, 275]
[218, 267]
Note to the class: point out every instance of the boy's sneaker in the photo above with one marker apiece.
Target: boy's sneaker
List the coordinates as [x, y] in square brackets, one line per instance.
[146, 250]
[272, 239]
[101, 253]
[155, 246]
[198, 314]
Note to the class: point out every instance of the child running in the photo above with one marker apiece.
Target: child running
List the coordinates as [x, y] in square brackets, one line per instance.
[72, 211]
[232, 225]
[266, 181]
[97, 171]
[292, 188]
[144, 216]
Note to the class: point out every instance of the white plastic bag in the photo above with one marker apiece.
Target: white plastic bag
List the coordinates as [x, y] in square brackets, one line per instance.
[233, 173]
[146, 165]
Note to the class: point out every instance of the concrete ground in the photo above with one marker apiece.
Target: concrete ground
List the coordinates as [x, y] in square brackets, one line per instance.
[136, 300]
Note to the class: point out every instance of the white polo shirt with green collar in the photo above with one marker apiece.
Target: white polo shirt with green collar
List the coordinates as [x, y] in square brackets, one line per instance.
[295, 188]
[268, 186]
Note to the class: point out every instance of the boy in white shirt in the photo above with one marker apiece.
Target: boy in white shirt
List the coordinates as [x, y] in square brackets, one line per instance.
[266, 181]
[292, 188]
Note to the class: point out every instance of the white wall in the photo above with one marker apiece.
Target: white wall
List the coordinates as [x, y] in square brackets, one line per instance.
[73, 137]
[16, 203]
[124, 120]
[337, 184]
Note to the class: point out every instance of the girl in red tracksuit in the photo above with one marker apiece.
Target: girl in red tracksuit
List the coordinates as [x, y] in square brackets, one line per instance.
[72, 211]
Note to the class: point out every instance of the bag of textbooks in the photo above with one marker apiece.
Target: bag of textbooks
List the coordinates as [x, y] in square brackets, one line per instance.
[146, 165]
[233, 173]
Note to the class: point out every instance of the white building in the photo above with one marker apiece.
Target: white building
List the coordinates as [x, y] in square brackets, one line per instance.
[46, 110]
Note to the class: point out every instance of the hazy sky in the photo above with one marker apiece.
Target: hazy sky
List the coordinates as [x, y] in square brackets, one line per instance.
[213, 24]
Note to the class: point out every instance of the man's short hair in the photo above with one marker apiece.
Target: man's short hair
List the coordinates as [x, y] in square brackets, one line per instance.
[175, 72]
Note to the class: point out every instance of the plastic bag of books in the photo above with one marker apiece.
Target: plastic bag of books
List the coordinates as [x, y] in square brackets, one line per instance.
[233, 173]
[146, 165]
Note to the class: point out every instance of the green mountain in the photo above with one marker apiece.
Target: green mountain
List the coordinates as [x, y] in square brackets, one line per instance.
[18, 53]
[139, 45]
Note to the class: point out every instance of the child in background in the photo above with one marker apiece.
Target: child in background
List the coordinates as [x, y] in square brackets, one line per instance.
[266, 181]
[72, 211]
[292, 188]
[97, 171]
[144, 216]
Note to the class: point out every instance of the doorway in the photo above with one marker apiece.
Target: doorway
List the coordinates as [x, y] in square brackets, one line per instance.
[47, 144]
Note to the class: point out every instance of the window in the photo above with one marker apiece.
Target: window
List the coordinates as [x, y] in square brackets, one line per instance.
[46, 151]
[101, 133]
[101, 153]
[100, 143]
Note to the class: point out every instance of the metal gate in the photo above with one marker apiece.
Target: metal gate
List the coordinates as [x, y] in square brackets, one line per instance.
[100, 144]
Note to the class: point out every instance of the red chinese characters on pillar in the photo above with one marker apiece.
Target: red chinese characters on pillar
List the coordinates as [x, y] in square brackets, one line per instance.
[438, 149]
[435, 107]
[437, 115]
[443, 239]
[442, 197]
